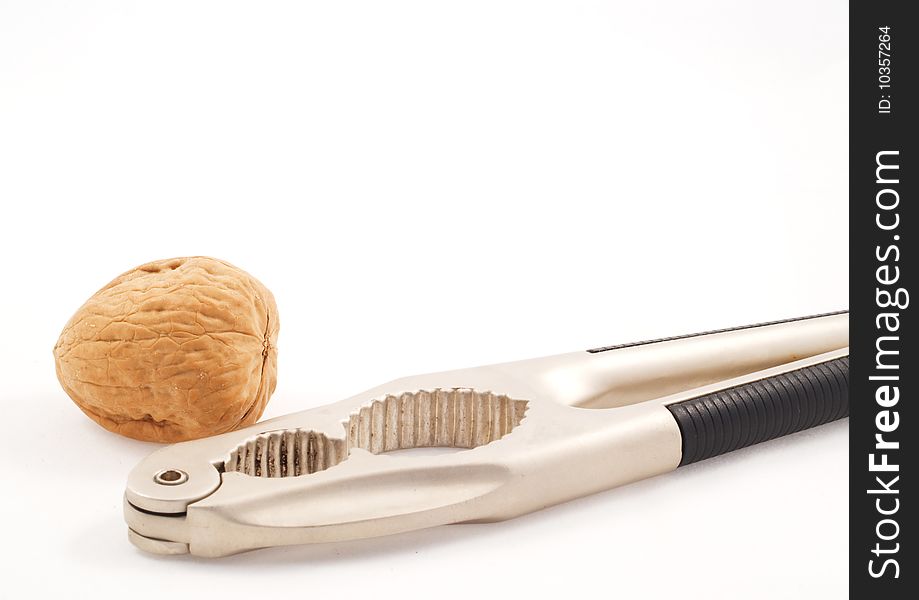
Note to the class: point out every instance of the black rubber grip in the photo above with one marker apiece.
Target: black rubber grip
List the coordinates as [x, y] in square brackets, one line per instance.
[762, 410]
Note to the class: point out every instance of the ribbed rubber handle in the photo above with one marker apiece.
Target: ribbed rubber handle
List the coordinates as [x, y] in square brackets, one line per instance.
[762, 410]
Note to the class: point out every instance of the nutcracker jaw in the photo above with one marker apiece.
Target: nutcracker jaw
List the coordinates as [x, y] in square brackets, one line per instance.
[332, 473]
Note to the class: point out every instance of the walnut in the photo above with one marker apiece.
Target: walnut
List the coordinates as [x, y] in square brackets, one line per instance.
[173, 350]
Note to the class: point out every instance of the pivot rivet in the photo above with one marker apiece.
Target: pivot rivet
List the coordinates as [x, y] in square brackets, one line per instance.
[171, 477]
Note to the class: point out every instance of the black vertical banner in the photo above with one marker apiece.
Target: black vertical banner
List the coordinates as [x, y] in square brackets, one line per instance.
[884, 384]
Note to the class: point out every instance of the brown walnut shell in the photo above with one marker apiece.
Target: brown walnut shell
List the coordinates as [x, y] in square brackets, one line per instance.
[172, 350]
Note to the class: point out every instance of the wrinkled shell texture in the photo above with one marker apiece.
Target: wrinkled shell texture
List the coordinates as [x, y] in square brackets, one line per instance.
[173, 350]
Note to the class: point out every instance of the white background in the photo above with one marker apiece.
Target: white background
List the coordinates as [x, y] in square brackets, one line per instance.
[425, 186]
